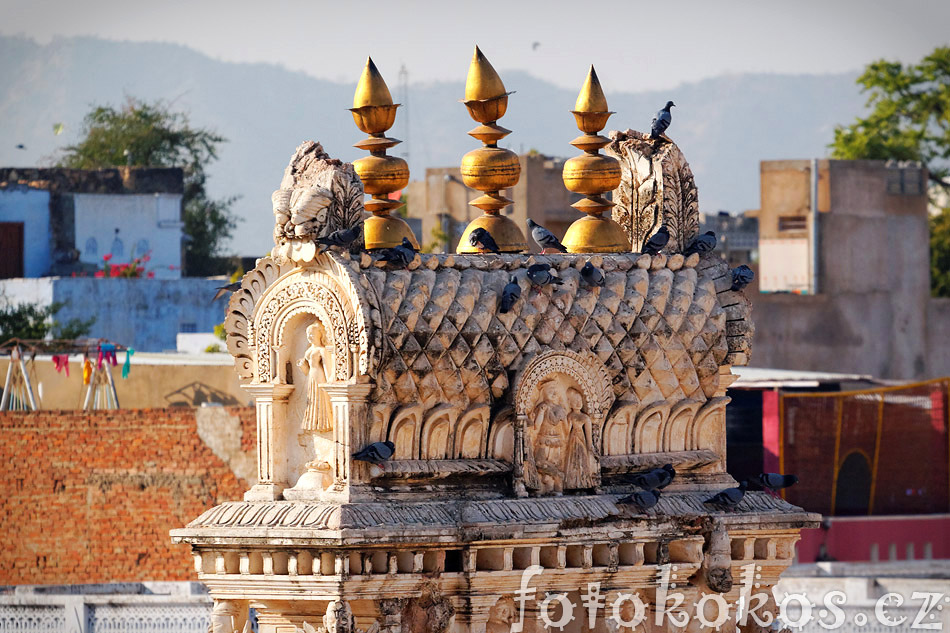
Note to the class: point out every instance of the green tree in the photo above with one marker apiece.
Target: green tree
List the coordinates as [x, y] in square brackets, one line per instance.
[31, 321]
[908, 118]
[152, 135]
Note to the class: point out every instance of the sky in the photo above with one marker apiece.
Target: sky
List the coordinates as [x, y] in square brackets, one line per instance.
[634, 45]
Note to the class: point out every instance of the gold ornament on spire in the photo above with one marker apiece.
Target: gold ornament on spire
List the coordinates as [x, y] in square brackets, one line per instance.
[593, 174]
[374, 113]
[490, 168]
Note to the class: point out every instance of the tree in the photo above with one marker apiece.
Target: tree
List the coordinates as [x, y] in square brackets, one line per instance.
[152, 135]
[909, 119]
[909, 116]
[31, 321]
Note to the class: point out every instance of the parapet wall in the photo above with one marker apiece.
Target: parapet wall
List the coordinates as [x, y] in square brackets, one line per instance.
[89, 497]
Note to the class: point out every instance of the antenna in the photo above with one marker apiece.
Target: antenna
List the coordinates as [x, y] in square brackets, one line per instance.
[404, 100]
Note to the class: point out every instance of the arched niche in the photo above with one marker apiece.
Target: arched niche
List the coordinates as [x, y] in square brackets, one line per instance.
[676, 430]
[501, 437]
[708, 430]
[648, 429]
[617, 438]
[438, 432]
[471, 434]
[405, 431]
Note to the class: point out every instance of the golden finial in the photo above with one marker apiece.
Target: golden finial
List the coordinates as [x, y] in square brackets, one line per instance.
[591, 97]
[372, 89]
[592, 174]
[490, 168]
[374, 112]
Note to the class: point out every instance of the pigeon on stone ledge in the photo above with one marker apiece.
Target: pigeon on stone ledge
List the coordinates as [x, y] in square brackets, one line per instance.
[773, 482]
[509, 295]
[742, 276]
[653, 479]
[642, 499]
[661, 121]
[481, 238]
[545, 238]
[401, 255]
[541, 275]
[592, 275]
[729, 498]
[343, 238]
[702, 244]
[657, 241]
[376, 453]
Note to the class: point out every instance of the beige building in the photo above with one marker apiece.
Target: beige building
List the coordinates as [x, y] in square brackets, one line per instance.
[854, 239]
[441, 200]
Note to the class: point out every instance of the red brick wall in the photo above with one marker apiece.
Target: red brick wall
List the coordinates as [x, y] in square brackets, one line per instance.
[90, 497]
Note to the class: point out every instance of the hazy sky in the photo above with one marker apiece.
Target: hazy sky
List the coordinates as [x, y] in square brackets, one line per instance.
[634, 45]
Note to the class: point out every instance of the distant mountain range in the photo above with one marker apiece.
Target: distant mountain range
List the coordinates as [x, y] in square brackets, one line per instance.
[725, 125]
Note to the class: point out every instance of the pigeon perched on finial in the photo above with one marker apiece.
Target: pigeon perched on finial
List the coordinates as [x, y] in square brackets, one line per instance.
[509, 295]
[662, 121]
[702, 244]
[342, 238]
[742, 276]
[481, 238]
[657, 241]
[545, 238]
[642, 499]
[729, 498]
[401, 255]
[541, 275]
[592, 275]
[653, 479]
[376, 453]
[773, 482]
[222, 290]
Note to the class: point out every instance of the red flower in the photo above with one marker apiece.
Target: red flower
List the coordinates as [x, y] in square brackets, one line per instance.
[147, 258]
[151, 274]
[107, 257]
[100, 273]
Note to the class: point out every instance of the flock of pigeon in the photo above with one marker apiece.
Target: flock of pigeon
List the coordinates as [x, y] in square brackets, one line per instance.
[650, 482]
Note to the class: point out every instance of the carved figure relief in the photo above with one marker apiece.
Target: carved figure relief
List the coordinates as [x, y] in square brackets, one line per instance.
[581, 464]
[318, 416]
[501, 616]
[548, 432]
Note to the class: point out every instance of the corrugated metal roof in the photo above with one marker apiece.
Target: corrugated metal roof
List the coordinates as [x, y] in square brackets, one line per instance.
[764, 377]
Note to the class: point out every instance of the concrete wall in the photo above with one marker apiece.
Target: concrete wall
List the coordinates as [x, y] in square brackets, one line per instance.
[146, 223]
[145, 314]
[31, 207]
[872, 314]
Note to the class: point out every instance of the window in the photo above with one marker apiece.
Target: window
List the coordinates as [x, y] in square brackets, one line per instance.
[92, 247]
[853, 489]
[188, 328]
[141, 247]
[792, 223]
[118, 248]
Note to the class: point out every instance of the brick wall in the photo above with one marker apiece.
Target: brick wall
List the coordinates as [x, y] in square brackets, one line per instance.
[90, 497]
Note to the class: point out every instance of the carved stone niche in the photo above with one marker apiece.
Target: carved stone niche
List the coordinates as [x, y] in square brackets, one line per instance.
[562, 399]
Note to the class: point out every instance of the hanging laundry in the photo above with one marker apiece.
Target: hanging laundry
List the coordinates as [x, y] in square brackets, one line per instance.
[108, 353]
[61, 362]
[86, 371]
[99, 357]
[127, 365]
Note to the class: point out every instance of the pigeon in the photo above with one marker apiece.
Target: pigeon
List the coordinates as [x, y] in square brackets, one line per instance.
[702, 244]
[592, 275]
[654, 479]
[662, 120]
[657, 241]
[742, 276]
[642, 499]
[509, 295]
[773, 482]
[541, 275]
[222, 290]
[342, 237]
[20, 146]
[376, 453]
[401, 255]
[482, 239]
[729, 498]
[545, 238]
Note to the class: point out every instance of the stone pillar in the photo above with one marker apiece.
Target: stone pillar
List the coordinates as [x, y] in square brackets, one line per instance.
[271, 403]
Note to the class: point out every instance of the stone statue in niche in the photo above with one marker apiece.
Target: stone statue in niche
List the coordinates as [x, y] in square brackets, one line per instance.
[580, 469]
[318, 416]
[560, 452]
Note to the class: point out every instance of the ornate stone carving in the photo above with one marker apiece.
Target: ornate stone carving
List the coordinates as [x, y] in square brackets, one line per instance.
[430, 612]
[318, 195]
[656, 188]
[501, 615]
